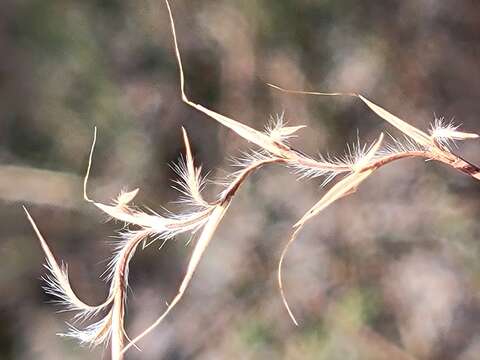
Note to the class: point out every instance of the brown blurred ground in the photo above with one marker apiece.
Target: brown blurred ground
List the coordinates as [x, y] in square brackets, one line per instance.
[389, 273]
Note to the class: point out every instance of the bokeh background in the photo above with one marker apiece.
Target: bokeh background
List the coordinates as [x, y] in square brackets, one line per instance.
[392, 272]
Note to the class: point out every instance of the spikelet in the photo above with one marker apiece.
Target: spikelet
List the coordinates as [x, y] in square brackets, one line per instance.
[58, 284]
[446, 134]
[278, 130]
[190, 182]
[198, 251]
[344, 187]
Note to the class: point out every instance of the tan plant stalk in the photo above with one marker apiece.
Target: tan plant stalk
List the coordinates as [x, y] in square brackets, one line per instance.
[433, 144]
[203, 217]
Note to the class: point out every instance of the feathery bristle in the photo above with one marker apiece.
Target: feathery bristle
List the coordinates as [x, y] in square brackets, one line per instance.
[278, 130]
[447, 133]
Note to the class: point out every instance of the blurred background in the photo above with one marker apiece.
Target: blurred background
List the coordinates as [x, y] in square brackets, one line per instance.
[392, 272]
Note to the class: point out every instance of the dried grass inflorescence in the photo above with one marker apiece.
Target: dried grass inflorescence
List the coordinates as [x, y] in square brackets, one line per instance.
[203, 217]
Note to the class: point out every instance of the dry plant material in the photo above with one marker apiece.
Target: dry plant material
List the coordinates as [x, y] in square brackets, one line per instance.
[203, 217]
